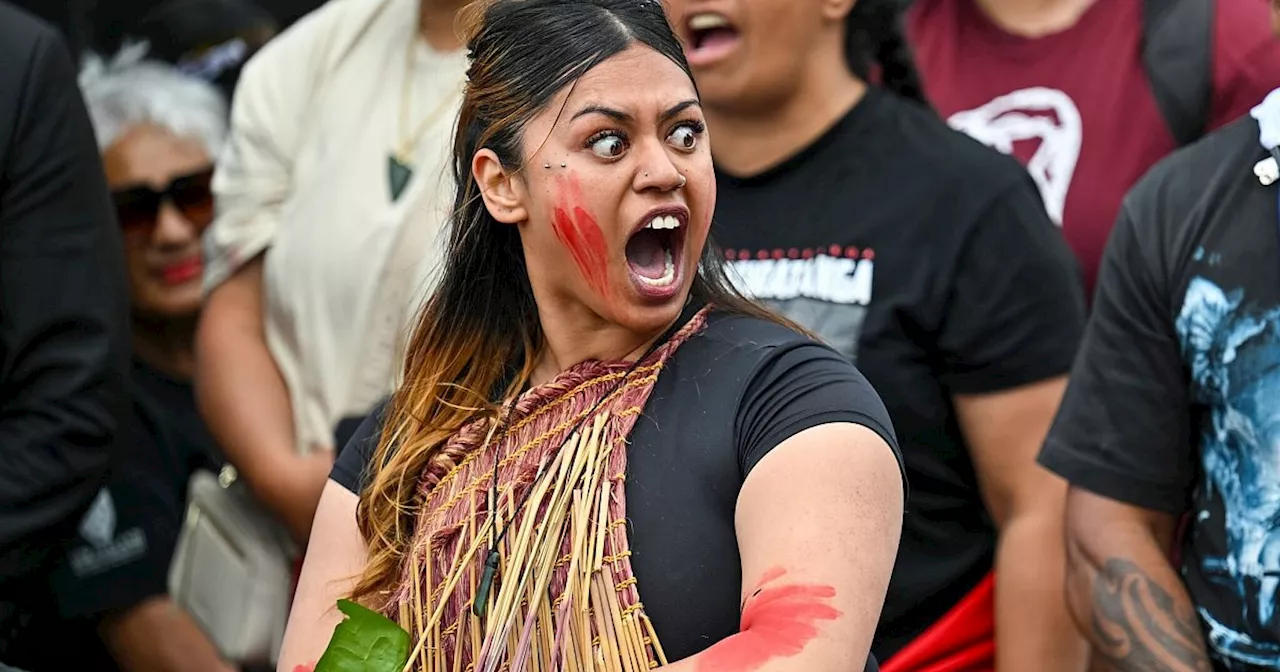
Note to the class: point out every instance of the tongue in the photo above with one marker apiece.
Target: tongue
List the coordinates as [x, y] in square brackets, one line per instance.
[716, 37]
[646, 254]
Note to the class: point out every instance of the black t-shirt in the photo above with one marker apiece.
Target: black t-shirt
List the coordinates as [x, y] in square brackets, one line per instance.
[927, 259]
[126, 541]
[727, 397]
[1174, 404]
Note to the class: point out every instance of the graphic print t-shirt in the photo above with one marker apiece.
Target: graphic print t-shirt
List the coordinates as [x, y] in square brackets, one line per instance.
[1175, 403]
[928, 260]
[1075, 106]
[125, 542]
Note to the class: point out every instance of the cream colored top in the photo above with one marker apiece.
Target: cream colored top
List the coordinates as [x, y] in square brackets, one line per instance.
[304, 178]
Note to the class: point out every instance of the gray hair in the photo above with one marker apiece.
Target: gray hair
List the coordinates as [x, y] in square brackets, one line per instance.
[130, 90]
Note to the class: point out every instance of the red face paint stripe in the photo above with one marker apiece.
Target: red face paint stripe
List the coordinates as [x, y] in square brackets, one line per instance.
[580, 245]
[597, 250]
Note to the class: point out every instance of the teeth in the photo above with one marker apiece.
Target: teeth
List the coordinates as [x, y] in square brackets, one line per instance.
[668, 274]
[707, 22]
[663, 223]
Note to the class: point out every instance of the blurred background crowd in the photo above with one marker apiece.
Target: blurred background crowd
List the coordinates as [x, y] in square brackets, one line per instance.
[217, 218]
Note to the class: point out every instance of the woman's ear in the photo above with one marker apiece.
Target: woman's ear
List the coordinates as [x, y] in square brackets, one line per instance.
[501, 190]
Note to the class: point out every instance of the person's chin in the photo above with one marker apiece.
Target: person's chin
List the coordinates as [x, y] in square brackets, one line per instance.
[171, 303]
[648, 320]
[643, 313]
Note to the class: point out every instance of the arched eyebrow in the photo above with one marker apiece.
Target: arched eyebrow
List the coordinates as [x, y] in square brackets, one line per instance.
[621, 116]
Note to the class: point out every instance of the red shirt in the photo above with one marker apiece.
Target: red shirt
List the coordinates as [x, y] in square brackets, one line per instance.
[1075, 106]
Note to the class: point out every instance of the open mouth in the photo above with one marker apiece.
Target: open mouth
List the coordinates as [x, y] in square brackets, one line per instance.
[654, 254]
[711, 36]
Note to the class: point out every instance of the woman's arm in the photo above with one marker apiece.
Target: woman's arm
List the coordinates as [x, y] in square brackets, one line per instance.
[1004, 432]
[818, 523]
[327, 576]
[241, 393]
[245, 402]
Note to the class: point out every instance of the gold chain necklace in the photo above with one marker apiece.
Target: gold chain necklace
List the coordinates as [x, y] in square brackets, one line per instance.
[400, 160]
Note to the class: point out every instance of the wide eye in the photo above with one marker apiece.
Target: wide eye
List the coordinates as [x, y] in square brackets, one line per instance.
[608, 146]
[684, 137]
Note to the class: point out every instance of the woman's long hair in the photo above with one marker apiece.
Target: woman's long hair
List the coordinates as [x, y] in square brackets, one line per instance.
[874, 37]
[478, 336]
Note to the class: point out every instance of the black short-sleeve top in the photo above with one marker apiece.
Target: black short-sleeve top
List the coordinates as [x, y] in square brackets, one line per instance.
[726, 398]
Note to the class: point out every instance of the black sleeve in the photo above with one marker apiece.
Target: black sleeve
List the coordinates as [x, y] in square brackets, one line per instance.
[1016, 307]
[351, 468]
[126, 540]
[1124, 428]
[64, 342]
[799, 386]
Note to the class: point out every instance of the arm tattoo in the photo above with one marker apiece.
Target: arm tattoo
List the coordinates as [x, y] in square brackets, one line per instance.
[1138, 626]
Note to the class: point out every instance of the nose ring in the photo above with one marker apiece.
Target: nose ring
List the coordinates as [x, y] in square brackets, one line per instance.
[683, 180]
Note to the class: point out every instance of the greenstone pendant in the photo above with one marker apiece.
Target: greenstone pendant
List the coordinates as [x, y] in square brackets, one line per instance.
[398, 174]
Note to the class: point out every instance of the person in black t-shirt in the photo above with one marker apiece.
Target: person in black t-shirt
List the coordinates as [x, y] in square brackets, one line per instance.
[929, 261]
[604, 452]
[158, 131]
[1174, 408]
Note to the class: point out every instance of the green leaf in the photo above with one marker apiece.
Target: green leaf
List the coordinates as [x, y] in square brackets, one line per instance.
[365, 641]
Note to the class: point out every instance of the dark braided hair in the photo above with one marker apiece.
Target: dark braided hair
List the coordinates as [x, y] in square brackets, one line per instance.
[874, 36]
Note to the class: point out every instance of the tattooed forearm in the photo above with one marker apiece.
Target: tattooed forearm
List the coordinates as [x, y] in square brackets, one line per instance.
[1138, 625]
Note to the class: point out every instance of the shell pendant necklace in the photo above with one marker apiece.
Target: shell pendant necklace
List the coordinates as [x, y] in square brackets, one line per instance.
[400, 160]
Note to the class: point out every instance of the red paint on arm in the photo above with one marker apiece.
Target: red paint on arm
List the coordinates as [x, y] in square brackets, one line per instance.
[305, 668]
[776, 623]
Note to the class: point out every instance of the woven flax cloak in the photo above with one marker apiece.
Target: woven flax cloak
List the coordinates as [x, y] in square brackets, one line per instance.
[565, 596]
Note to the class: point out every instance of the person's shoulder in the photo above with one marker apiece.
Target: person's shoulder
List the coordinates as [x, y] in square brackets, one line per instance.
[1200, 172]
[749, 332]
[24, 41]
[742, 341]
[316, 39]
[947, 159]
[21, 36]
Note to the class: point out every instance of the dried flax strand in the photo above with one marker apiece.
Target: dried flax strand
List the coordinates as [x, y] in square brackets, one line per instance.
[586, 627]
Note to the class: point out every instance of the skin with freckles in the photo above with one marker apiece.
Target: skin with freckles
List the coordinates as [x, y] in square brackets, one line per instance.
[777, 622]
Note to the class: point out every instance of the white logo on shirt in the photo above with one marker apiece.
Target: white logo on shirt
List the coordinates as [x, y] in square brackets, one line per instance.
[828, 295]
[99, 524]
[1043, 114]
[106, 549]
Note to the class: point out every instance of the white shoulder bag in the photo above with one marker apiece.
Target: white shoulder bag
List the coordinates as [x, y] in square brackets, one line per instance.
[232, 570]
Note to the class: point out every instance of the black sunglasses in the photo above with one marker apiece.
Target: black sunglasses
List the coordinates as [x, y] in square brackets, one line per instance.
[139, 207]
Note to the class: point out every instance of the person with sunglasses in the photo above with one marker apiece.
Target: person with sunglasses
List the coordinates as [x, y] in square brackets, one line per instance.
[158, 131]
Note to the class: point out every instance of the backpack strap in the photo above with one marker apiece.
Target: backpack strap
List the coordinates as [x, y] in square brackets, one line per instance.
[1177, 54]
